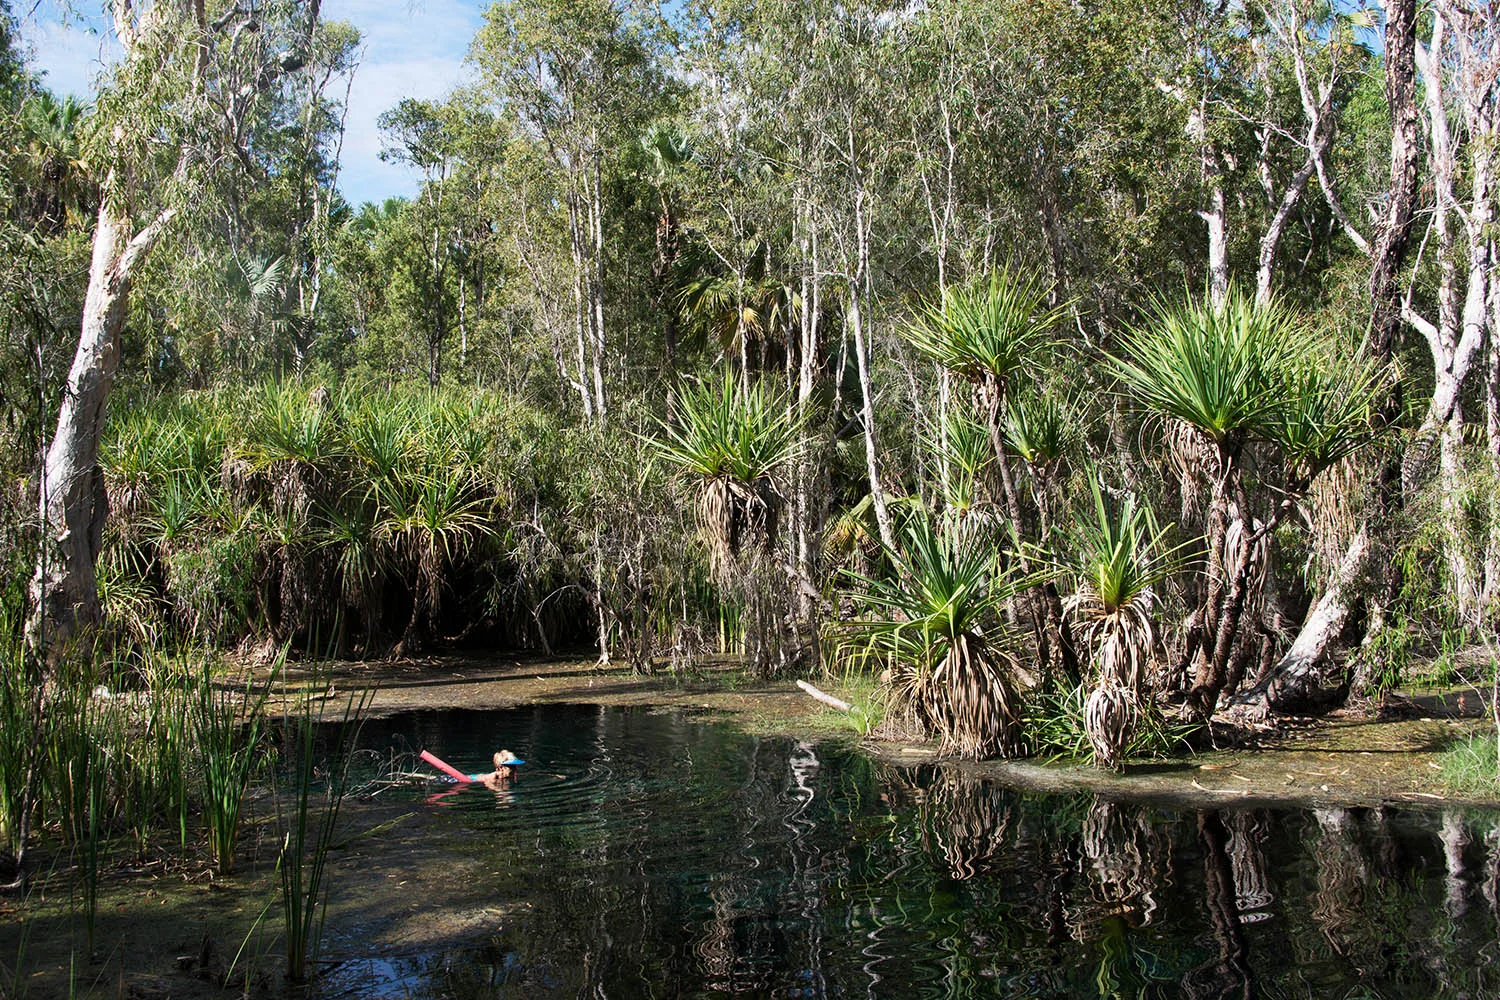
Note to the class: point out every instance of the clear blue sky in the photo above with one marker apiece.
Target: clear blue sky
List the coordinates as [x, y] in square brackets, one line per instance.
[411, 50]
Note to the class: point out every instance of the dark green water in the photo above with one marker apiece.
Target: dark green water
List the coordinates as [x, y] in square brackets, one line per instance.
[645, 855]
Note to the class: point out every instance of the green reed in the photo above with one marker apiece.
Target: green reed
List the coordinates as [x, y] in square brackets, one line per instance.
[160, 771]
[308, 824]
[19, 743]
[227, 727]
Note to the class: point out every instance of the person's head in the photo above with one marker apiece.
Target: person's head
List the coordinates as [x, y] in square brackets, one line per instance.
[507, 762]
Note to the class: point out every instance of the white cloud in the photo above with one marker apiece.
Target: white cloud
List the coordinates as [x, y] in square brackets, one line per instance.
[410, 51]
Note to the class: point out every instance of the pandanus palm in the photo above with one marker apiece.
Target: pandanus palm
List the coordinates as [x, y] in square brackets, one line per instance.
[935, 621]
[1118, 558]
[430, 518]
[1245, 376]
[733, 440]
[998, 335]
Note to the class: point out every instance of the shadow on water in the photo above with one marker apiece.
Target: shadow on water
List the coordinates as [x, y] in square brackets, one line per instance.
[643, 853]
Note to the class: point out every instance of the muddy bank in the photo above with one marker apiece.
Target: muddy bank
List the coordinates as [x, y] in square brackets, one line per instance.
[1363, 756]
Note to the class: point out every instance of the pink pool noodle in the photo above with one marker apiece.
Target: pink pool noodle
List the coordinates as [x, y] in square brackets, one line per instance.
[445, 767]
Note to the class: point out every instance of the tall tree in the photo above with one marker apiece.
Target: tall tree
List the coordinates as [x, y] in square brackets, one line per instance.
[179, 104]
[578, 77]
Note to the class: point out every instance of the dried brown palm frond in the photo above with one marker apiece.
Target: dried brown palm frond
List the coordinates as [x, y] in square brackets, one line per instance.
[1193, 461]
[1122, 639]
[1333, 507]
[1108, 719]
[736, 517]
[971, 699]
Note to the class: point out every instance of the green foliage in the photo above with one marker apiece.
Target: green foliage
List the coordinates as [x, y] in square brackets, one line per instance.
[227, 726]
[1246, 370]
[935, 623]
[1117, 556]
[1327, 406]
[1055, 729]
[1041, 427]
[1216, 369]
[993, 331]
[1471, 766]
[726, 429]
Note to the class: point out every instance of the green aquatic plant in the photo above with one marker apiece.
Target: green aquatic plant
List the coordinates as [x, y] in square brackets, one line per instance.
[309, 819]
[227, 728]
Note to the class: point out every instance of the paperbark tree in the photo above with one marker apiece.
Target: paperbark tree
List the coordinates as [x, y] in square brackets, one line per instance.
[1295, 682]
[208, 76]
[1460, 69]
[580, 79]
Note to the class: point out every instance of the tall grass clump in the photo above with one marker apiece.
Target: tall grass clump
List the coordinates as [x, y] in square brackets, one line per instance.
[308, 820]
[227, 727]
[19, 746]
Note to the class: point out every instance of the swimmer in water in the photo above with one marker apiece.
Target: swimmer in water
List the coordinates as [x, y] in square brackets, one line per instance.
[504, 772]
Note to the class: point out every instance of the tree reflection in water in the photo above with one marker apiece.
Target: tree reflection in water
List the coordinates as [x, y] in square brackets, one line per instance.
[676, 859]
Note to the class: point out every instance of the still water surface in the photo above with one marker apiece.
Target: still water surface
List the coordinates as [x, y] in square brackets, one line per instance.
[647, 855]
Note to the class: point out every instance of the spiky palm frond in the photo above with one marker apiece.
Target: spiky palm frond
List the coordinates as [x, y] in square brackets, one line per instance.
[380, 436]
[1041, 427]
[1121, 554]
[432, 519]
[993, 331]
[1213, 368]
[262, 276]
[176, 510]
[734, 439]
[1118, 558]
[723, 429]
[1326, 412]
[289, 426]
[936, 621]
[464, 434]
[966, 442]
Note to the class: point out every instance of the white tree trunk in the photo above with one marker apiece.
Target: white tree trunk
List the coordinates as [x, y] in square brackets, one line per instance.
[1271, 240]
[596, 288]
[1218, 241]
[581, 310]
[867, 417]
[1295, 678]
[73, 505]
